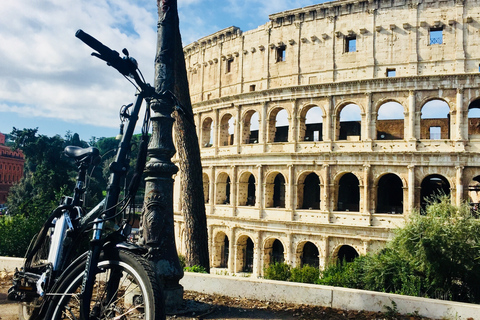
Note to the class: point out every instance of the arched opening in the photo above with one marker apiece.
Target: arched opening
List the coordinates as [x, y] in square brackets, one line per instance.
[227, 129]
[244, 259]
[390, 121]
[432, 186]
[474, 193]
[346, 254]
[281, 126]
[350, 123]
[279, 191]
[390, 194]
[250, 127]
[309, 197]
[348, 193]
[310, 255]
[220, 251]
[246, 189]
[207, 133]
[223, 189]
[311, 125]
[206, 184]
[273, 252]
[435, 120]
[474, 119]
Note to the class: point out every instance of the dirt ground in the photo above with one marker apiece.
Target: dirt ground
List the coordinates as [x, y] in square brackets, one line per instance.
[206, 306]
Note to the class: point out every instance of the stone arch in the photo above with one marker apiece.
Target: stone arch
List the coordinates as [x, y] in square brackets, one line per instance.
[207, 133]
[251, 126]
[206, 187]
[474, 119]
[390, 122]
[275, 190]
[345, 253]
[308, 191]
[432, 185]
[435, 119]
[348, 122]
[310, 126]
[273, 251]
[220, 250]
[227, 130]
[246, 189]
[389, 194]
[277, 127]
[308, 254]
[223, 187]
[245, 256]
[474, 193]
[348, 193]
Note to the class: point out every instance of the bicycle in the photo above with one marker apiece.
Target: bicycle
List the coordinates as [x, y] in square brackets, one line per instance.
[112, 279]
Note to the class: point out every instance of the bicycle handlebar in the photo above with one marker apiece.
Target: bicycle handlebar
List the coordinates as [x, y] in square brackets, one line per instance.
[123, 65]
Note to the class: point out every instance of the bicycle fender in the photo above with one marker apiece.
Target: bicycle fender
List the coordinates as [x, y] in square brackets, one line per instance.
[132, 247]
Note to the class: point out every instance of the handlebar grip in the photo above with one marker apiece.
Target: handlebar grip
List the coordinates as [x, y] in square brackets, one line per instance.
[95, 44]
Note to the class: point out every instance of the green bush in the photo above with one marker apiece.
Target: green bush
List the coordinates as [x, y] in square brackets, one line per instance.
[436, 255]
[305, 274]
[17, 232]
[197, 269]
[277, 271]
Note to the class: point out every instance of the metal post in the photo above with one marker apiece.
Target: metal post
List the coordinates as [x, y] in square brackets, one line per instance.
[157, 221]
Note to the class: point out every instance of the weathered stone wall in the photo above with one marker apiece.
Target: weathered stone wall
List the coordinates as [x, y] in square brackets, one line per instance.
[368, 173]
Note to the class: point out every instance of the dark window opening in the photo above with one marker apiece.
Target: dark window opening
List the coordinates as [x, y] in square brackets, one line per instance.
[348, 193]
[253, 137]
[281, 134]
[311, 192]
[248, 257]
[346, 254]
[281, 53]
[229, 65]
[432, 186]
[310, 255]
[279, 192]
[313, 132]
[277, 252]
[251, 191]
[350, 44]
[349, 128]
[224, 254]
[436, 36]
[227, 191]
[252, 87]
[390, 194]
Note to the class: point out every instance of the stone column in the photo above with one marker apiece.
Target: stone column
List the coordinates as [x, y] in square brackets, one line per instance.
[257, 258]
[260, 191]
[411, 188]
[459, 185]
[411, 116]
[462, 130]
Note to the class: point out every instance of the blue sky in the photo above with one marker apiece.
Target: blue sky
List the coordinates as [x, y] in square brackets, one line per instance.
[48, 78]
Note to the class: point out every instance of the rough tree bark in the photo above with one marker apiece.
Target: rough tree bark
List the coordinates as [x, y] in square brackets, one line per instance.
[186, 140]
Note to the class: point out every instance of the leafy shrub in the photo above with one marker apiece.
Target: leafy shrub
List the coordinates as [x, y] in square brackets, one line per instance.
[17, 232]
[197, 269]
[278, 271]
[305, 274]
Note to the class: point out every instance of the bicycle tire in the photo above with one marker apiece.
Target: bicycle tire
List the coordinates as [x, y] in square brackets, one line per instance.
[138, 295]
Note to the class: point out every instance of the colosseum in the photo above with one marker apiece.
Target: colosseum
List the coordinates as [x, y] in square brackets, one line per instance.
[324, 128]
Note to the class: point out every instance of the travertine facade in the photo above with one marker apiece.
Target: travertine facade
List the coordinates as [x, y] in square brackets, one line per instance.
[378, 102]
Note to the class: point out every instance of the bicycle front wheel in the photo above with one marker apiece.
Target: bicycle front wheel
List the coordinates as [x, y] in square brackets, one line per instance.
[124, 288]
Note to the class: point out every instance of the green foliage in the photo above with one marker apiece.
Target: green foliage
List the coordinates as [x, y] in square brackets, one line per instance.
[305, 274]
[436, 255]
[278, 271]
[284, 272]
[183, 261]
[17, 232]
[195, 268]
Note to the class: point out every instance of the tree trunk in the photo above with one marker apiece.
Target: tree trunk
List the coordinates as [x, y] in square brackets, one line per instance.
[191, 177]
